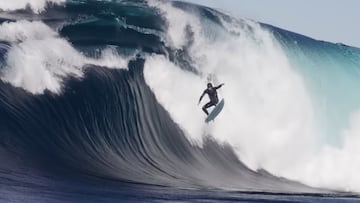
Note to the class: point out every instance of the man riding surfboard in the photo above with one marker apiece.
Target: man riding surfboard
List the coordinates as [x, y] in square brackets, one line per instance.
[212, 93]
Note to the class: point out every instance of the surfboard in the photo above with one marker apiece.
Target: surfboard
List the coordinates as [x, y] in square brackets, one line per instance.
[215, 112]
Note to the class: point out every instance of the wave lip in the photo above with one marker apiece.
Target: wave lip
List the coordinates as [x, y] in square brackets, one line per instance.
[40, 59]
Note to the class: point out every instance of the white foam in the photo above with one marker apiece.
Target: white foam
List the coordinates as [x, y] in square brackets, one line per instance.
[36, 5]
[268, 116]
[174, 89]
[39, 59]
[23, 30]
[334, 167]
[259, 86]
[266, 109]
[110, 58]
[179, 23]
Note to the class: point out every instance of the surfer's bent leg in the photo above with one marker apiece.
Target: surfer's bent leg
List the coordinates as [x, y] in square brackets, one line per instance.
[207, 105]
[216, 101]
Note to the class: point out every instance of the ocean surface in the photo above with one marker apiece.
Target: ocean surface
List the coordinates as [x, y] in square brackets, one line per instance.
[98, 103]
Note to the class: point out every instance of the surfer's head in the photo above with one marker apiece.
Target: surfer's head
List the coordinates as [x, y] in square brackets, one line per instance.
[209, 85]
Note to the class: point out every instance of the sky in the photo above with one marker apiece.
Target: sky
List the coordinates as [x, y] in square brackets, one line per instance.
[328, 20]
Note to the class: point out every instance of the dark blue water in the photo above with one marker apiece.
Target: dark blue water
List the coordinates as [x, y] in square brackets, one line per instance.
[104, 137]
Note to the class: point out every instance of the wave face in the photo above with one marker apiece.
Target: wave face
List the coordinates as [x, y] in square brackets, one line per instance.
[109, 89]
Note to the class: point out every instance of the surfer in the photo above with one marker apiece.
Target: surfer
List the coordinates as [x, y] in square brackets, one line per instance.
[211, 91]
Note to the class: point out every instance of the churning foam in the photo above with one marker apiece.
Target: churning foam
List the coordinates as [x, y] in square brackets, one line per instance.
[40, 59]
[180, 22]
[268, 116]
[260, 89]
[36, 5]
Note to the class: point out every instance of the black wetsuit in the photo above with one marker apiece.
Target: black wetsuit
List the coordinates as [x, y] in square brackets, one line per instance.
[212, 96]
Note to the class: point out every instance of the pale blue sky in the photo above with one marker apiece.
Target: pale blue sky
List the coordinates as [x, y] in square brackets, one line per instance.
[329, 20]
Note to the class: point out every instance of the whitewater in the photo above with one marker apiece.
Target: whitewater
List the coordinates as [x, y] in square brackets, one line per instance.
[272, 107]
[115, 86]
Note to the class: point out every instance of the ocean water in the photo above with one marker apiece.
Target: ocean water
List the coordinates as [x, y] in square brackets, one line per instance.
[98, 103]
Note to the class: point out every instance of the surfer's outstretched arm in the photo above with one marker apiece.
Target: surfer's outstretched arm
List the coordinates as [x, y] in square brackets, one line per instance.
[217, 87]
[202, 96]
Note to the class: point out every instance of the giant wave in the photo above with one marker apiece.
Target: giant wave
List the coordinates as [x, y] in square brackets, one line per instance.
[109, 89]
